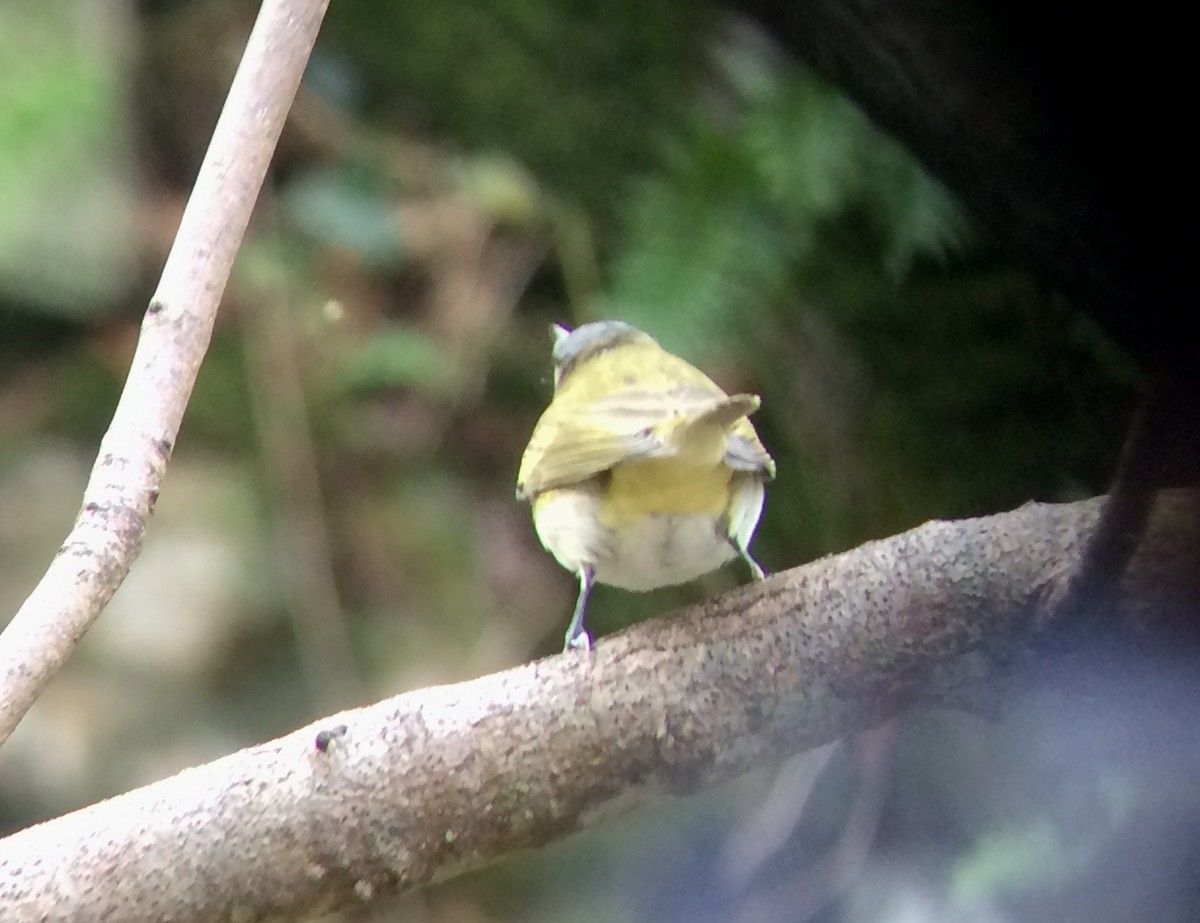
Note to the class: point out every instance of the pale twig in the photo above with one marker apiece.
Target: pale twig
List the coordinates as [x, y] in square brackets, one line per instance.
[124, 483]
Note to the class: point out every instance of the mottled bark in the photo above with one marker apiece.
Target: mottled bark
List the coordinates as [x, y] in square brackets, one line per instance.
[430, 784]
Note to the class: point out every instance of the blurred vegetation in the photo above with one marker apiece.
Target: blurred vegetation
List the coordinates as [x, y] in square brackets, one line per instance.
[338, 522]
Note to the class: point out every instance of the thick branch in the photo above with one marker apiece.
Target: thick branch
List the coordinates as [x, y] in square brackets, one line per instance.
[430, 784]
[124, 483]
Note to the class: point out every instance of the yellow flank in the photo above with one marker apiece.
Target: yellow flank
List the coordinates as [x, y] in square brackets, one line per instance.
[664, 486]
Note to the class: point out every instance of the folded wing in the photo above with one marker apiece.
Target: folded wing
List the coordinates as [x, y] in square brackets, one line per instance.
[638, 423]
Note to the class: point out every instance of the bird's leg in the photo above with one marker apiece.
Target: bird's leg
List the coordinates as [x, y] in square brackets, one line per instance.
[755, 571]
[577, 637]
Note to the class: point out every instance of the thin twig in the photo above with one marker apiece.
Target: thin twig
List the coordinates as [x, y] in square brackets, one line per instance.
[124, 483]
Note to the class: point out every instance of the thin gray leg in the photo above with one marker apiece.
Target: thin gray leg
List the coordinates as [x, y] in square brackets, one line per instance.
[577, 637]
[755, 571]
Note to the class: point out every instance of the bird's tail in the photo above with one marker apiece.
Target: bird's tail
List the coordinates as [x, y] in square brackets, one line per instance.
[725, 412]
[701, 434]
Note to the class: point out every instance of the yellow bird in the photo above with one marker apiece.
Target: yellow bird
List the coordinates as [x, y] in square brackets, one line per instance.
[642, 472]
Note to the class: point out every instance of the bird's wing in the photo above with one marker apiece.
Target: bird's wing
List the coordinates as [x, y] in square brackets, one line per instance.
[629, 424]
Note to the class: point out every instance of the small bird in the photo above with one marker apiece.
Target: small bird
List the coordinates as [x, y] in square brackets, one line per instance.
[642, 472]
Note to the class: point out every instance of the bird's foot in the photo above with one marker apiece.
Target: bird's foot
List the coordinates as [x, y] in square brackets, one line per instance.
[579, 641]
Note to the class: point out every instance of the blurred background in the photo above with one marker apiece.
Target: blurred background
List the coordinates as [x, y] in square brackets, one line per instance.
[338, 522]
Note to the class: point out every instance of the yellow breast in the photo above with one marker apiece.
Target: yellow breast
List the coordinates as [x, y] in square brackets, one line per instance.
[664, 486]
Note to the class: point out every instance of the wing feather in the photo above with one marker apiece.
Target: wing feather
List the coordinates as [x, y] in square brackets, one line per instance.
[647, 419]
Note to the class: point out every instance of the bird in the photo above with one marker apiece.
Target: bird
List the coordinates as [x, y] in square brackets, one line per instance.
[641, 472]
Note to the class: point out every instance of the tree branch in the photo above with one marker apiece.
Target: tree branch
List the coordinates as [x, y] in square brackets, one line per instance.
[436, 782]
[124, 482]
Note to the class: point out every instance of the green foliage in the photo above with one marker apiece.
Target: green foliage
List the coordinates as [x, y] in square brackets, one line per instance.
[396, 357]
[906, 370]
[580, 93]
[63, 190]
[338, 211]
[742, 212]
[991, 392]
[85, 394]
[219, 412]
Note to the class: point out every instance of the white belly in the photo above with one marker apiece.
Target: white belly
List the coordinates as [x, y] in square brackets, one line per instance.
[659, 550]
[665, 550]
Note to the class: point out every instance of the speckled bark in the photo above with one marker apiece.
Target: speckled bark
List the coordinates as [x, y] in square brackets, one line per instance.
[124, 482]
[432, 783]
